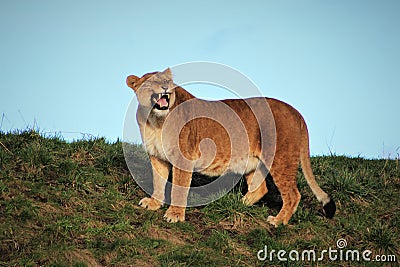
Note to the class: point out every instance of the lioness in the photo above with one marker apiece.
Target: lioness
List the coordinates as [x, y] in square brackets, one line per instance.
[163, 106]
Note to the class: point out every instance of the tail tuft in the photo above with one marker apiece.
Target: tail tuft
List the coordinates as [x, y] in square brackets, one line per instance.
[330, 209]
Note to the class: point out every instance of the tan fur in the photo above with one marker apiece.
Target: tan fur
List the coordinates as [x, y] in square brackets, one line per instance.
[291, 147]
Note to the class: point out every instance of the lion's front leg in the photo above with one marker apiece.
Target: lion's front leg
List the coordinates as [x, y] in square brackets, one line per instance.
[179, 194]
[161, 171]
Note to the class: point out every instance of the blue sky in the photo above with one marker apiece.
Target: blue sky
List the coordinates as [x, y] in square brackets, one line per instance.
[63, 63]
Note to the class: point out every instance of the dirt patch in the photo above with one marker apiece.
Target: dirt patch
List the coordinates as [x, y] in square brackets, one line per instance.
[144, 263]
[165, 234]
[82, 256]
[240, 223]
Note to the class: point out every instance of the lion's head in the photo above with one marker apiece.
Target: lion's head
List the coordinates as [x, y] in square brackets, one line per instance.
[155, 91]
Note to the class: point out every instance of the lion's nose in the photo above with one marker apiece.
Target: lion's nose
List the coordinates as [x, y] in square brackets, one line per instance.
[164, 87]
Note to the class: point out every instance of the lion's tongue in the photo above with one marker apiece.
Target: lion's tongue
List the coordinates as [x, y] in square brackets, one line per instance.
[162, 102]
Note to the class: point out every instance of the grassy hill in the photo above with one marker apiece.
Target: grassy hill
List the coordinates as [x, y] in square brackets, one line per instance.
[75, 204]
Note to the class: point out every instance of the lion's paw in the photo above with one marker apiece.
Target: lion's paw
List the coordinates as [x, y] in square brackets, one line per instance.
[250, 198]
[150, 203]
[175, 214]
[274, 221]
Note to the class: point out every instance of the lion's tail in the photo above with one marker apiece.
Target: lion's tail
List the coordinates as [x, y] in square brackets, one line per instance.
[327, 202]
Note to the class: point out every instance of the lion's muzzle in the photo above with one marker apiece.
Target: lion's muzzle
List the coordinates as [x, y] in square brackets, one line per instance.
[161, 100]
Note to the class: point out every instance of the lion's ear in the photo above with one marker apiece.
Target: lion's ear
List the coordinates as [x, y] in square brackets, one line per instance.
[131, 82]
[168, 72]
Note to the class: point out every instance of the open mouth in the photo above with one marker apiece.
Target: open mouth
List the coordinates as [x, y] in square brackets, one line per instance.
[161, 101]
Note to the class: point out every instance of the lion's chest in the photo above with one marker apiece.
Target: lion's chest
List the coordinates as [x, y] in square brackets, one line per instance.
[153, 142]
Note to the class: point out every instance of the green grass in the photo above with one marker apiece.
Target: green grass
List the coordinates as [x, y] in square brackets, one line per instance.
[75, 204]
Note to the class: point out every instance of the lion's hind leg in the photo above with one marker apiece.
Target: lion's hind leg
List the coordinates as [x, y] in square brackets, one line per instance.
[284, 178]
[257, 187]
[291, 199]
